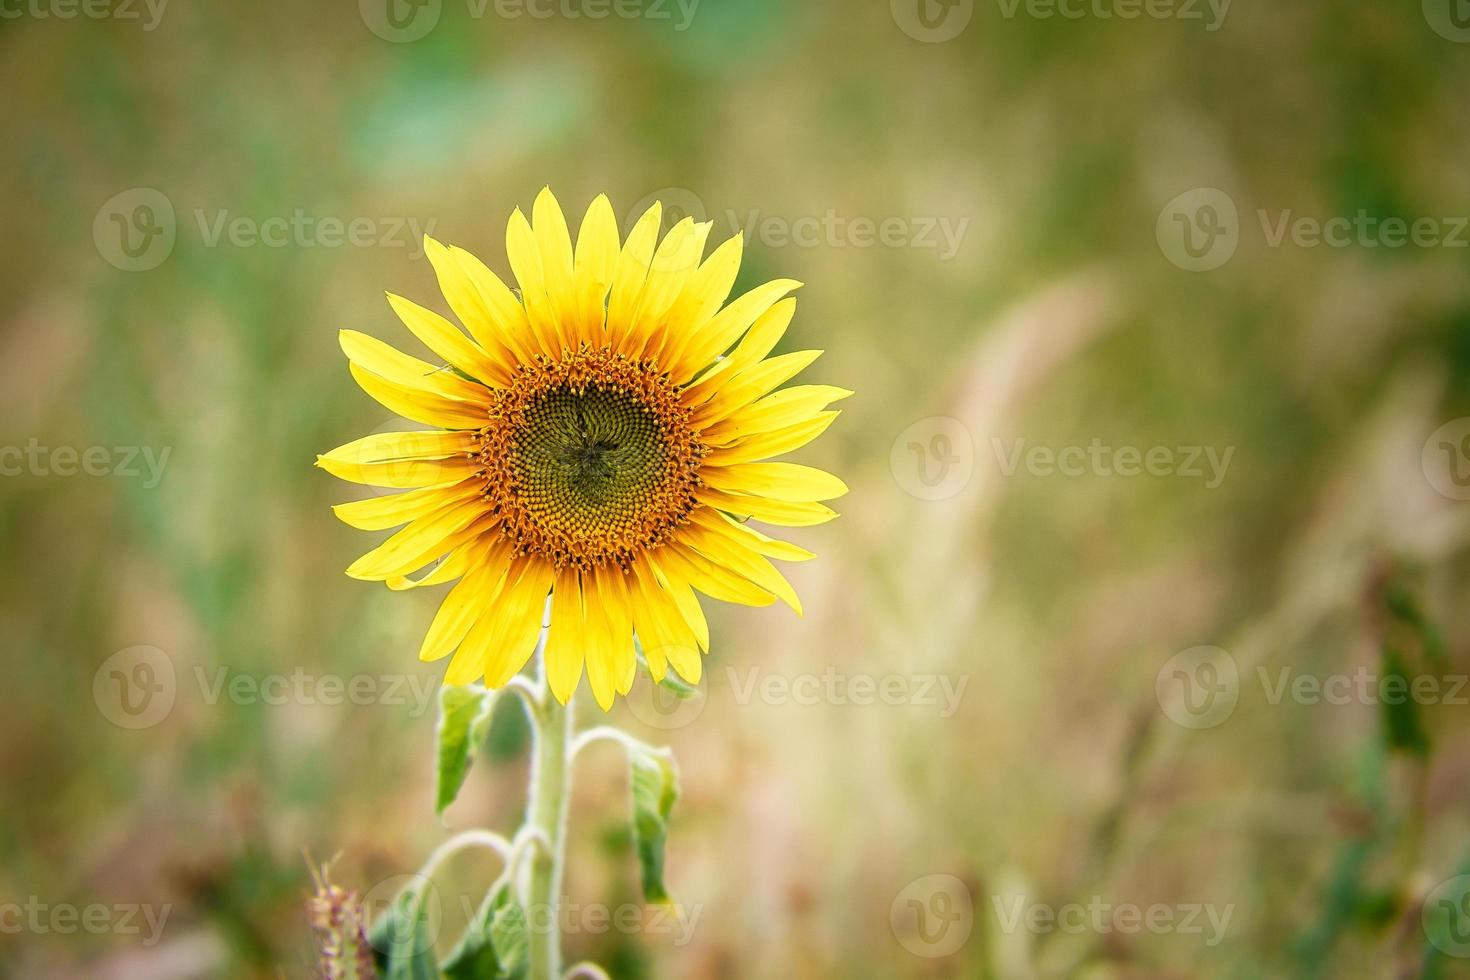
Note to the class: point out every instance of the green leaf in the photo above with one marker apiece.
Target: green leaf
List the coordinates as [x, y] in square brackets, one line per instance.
[403, 947]
[464, 712]
[494, 946]
[1403, 729]
[654, 784]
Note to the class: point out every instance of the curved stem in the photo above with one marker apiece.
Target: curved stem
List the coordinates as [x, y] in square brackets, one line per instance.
[587, 969]
[463, 841]
[606, 733]
[550, 781]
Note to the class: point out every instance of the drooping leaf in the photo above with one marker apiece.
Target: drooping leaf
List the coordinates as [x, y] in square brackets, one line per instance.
[464, 713]
[403, 944]
[654, 785]
[494, 945]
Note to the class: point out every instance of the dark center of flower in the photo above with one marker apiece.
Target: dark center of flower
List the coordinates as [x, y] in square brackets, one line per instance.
[590, 459]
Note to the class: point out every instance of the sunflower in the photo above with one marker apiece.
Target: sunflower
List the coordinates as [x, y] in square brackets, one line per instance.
[601, 438]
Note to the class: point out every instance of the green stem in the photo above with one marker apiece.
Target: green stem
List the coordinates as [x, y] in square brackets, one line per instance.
[550, 785]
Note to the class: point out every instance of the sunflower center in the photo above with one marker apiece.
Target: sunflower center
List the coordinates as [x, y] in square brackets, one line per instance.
[590, 458]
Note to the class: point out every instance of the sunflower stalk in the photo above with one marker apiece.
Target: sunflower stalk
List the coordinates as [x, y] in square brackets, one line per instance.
[550, 788]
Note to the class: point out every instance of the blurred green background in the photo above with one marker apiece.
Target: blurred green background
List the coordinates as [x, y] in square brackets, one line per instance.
[168, 286]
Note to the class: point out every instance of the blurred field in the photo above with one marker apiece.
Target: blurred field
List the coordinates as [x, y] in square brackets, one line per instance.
[1335, 541]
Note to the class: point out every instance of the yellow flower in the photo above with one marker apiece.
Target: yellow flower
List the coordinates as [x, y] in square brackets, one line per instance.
[600, 438]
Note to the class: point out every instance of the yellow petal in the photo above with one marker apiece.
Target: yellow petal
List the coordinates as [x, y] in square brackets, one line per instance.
[779, 481]
[381, 513]
[402, 473]
[383, 446]
[490, 310]
[461, 607]
[743, 388]
[393, 365]
[676, 589]
[726, 327]
[565, 644]
[418, 406]
[718, 541]
[712, 578]
[750, 538]
[446, 341]
[674, 262]
[423, 540]
[631, 273]
[783, 512]
[525, 613]
[706, 290]
[524, 253]
[764, 445]
[554, 242]
[452, 566]
[778, 411]
[758, 341]
[592, 272]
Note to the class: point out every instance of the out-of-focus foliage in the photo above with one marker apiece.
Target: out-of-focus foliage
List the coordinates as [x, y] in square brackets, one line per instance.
[1025, 617]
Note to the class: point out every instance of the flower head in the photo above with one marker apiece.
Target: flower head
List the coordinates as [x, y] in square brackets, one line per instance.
[602, 437]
